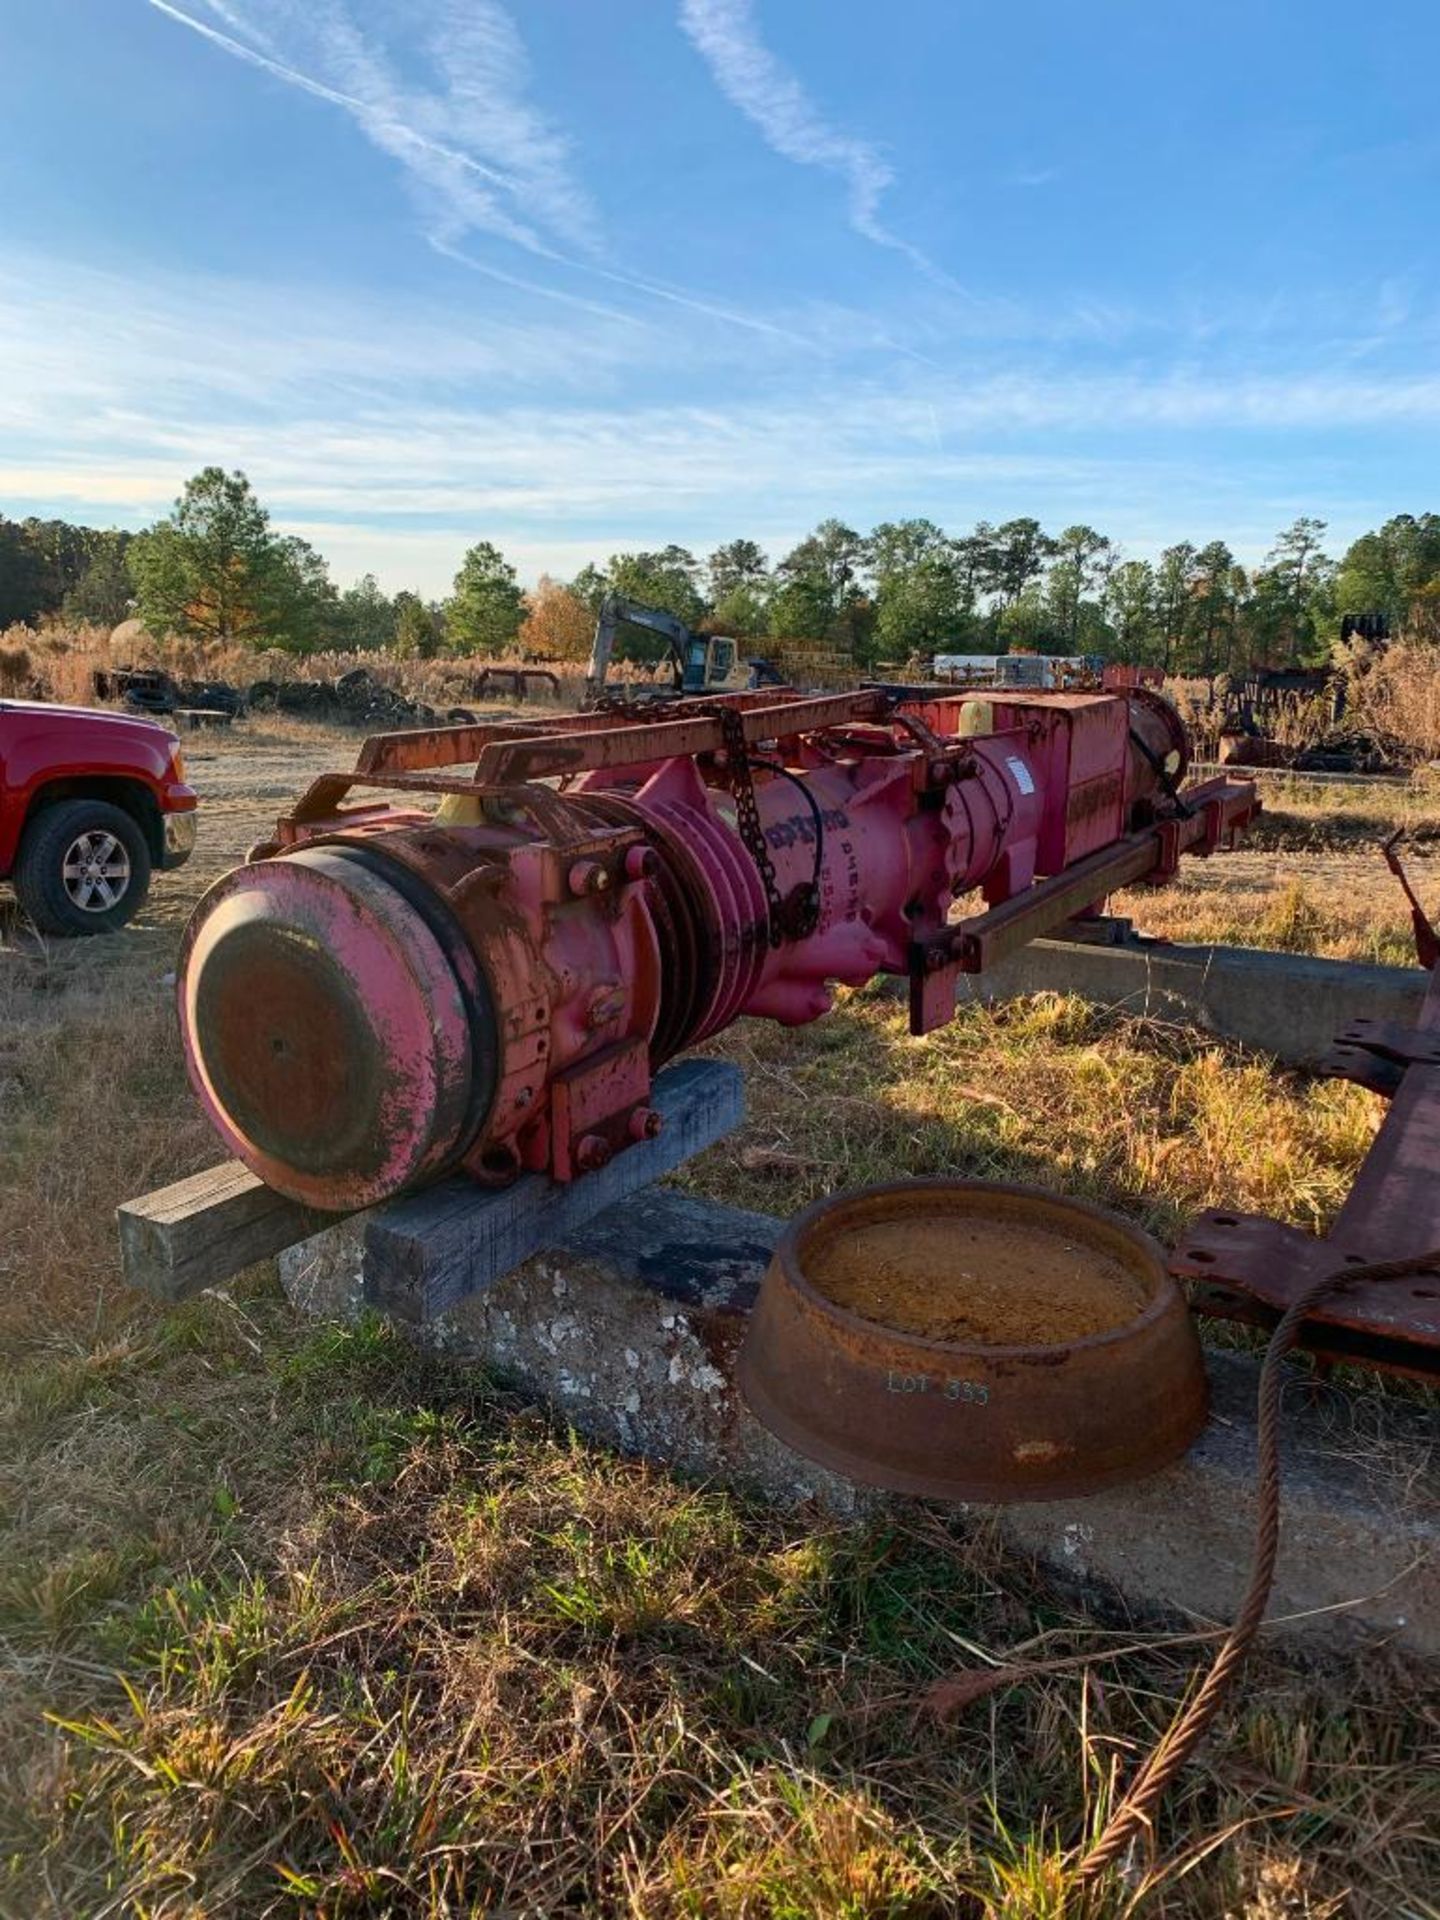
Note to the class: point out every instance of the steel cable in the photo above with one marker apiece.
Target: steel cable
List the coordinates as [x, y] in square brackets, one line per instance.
[1183, 1734]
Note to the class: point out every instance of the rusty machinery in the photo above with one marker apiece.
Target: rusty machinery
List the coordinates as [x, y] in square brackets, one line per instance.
[390, 990]
[1249, 1267]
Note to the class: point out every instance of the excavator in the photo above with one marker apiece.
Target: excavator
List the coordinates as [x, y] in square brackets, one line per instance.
[700, 662]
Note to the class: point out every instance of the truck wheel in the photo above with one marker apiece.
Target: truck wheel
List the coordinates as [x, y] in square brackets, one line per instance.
[83, 867]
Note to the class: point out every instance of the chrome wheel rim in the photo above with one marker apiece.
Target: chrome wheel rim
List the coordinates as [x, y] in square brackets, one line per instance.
[96, 871]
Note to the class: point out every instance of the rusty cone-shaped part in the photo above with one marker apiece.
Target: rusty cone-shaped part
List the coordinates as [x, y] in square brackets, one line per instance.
[1068, 1362]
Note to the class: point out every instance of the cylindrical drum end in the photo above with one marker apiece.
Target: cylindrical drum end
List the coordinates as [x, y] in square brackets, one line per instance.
[325, 1031]
[971, 1340]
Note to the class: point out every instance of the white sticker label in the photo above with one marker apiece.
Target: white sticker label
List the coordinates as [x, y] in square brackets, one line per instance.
[1023, 778]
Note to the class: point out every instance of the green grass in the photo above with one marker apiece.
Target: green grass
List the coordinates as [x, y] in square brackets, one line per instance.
[339, 1629]
[300, 1621]
[1135, 1113]
[296, 1621]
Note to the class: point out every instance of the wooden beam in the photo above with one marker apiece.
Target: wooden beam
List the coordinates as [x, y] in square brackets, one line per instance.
[429, 1249]
[202, 1231]
[424, 1254]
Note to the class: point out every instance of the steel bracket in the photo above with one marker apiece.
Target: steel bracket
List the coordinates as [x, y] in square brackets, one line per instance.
[1245, 1267]
[1167, 864]
[1249, 1268]
[932, 989]
[600, 1107]
[1376, 1053]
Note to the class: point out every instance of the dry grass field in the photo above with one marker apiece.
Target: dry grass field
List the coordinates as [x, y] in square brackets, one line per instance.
[296, 1620]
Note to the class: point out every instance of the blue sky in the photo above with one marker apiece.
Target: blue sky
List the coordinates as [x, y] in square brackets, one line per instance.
[580, 275]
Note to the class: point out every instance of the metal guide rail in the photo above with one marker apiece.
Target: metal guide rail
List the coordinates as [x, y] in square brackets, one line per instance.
[1249, 1268]
[1212, 814]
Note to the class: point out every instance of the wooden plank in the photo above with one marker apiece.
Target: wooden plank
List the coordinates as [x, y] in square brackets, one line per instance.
[427, 1251]
[202, 1231]
[424, 1254]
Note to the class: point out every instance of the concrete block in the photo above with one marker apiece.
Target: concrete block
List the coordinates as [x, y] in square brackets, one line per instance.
[1289, 1005]
[630, 1330]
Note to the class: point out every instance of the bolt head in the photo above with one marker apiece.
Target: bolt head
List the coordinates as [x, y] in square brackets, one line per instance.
[592, 1153]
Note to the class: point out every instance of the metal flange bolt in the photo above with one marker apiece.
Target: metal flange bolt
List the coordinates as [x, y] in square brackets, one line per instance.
[588, 876]
[592, 1153]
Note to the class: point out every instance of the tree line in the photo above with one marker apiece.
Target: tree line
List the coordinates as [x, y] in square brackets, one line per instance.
[216, 568]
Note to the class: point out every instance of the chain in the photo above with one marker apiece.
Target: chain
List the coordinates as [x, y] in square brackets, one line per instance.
[652, 707]
[747, 815]
[789, 919]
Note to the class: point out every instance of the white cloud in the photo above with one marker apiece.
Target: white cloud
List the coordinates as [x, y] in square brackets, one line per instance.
[223, 10]
[397, 431]
[402, 487]
[750, 76]
[479, 155]
[82, 346]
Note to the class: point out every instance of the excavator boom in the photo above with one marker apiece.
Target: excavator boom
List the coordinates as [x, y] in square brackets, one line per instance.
[699, 663]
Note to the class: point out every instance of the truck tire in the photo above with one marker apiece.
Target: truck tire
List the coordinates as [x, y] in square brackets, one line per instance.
[83, 867]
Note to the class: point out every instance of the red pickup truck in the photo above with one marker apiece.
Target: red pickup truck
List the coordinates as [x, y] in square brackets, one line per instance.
[90, 804]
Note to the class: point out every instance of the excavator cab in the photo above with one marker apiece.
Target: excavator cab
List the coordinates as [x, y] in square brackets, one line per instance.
[711, 666]
[695, 664]
[700, 662]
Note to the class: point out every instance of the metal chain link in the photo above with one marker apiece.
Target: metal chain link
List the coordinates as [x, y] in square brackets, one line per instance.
[747, 815]
[652, 707]
[791, 919]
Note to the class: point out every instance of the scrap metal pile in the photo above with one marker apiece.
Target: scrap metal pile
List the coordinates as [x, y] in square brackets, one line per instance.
[356, 698]
[387, 993]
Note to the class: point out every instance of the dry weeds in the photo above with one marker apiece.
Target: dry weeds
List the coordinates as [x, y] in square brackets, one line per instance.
[61, 662]
[1309, 877]
[1392, 697]
[1397, 701]
[294, 1621]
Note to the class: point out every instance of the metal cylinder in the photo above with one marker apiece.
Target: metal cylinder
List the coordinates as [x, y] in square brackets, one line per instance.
[334, 1033]
[963, 1420]
[383, 995]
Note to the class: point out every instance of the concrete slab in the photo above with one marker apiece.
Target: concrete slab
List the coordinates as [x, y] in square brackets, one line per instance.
[630, 1331]
[1289, 1005]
